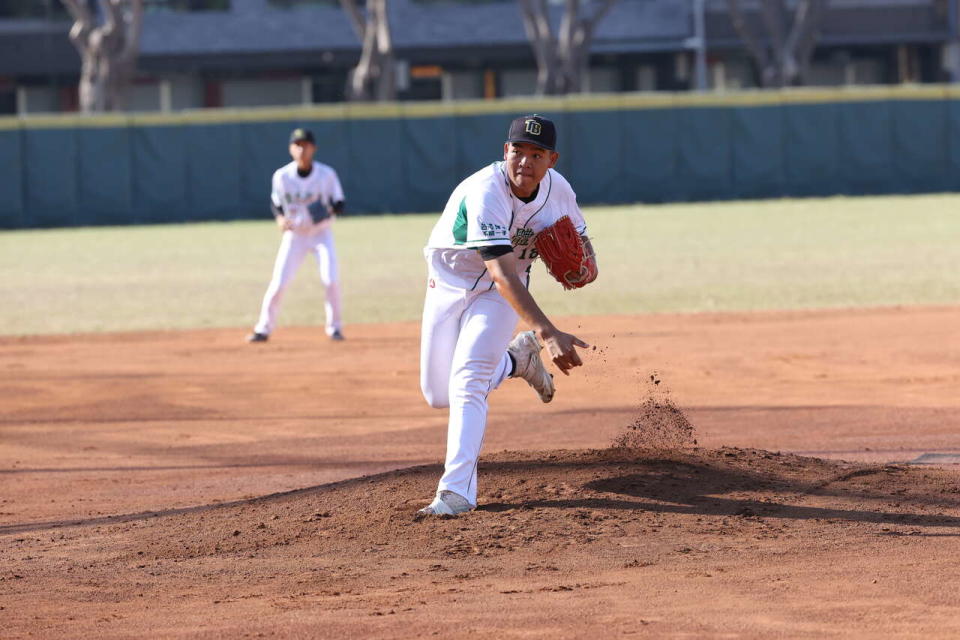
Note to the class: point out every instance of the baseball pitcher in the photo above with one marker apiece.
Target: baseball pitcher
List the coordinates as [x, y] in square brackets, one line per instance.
[495, 224]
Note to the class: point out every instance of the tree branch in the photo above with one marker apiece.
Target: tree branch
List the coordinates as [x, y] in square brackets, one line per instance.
[530, 26]
[772, 12]
[588, 25]
[808, 34]
[529, 17]
[562, 59]
[78, 10]
[374, 77]
[356, 18]
[386, 74]
[568, 24]
[536, 22]
[601, 11]
[759, 52]
[82, 23]
[382, 25]
[134, 27]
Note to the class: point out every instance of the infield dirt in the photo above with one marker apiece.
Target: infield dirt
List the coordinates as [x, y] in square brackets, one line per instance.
[189, 485]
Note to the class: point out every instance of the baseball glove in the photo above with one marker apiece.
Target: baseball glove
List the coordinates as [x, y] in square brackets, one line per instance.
[565, 255]
[319, 211]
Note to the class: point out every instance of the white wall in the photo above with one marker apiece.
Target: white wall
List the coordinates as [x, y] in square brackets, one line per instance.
[602, 80]
[39, 99]
[143, 96]
[186, 92]
[262, 92]
[731, 73]
[462, 85]
[523, 82]
[518, 82]
[646, 78]
[841, 70]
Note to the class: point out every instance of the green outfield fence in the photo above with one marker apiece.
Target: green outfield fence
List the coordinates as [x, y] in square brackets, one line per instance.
[69, 170]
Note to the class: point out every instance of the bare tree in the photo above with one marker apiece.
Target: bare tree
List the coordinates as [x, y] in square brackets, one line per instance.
[374, 77]
[562, 58]
[783, 53]
[108, 45]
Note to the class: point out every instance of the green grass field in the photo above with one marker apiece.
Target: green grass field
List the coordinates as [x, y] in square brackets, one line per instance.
[780, 254]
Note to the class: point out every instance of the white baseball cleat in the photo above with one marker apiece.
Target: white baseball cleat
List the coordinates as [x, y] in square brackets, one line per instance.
[447, 503]
[525, 349]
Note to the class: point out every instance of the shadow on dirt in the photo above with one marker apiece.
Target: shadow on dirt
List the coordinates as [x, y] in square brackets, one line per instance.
[704, 506]
[661, 485]
[689, 476]
[711, 482]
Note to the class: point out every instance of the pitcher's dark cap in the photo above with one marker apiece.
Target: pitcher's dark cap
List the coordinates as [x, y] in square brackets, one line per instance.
[535, 130]
[302, 135]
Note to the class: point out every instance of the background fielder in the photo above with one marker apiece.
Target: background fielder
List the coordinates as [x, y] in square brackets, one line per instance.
[305, 197]
[479, 257]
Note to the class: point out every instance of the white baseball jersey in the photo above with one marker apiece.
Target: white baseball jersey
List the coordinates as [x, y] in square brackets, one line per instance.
[293, 194]
[483, 212]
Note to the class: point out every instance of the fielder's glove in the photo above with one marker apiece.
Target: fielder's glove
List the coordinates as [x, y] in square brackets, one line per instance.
[319, 211]
[565, 255]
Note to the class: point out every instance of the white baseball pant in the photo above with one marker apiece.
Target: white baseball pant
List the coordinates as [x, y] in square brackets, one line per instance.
[463, 357]
[294, 247]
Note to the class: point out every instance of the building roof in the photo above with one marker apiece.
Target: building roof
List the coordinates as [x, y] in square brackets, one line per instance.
[255, 25]
[256, 34]
[850, 22]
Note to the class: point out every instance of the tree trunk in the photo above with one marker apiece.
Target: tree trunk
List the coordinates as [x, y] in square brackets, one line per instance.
[580, 40]
[774, 14]
[566, 44]
[783, 56]
[374, 77]
[386, 79]
[803, 38]
[108, 51]
[562, 60]
[536, 22]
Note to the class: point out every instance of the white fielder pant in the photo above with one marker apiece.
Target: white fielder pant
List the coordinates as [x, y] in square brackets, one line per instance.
[463, 357]
[294, 247]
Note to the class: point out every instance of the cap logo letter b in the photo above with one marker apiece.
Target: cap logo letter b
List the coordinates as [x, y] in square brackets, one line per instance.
[532, 127]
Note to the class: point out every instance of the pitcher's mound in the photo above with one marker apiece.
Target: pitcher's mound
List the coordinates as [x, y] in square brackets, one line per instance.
[625, 524]
[544, 502]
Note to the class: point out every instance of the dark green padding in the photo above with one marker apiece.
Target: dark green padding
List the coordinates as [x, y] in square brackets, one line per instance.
[811, 150]
[51, 162]
[920, 145]
[193, 169]
[11, 179]
[160, 175]
[214, 167]
[757, 157]
[105, 188]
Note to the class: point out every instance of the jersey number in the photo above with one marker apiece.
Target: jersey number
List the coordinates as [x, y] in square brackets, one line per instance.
[529, 252]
